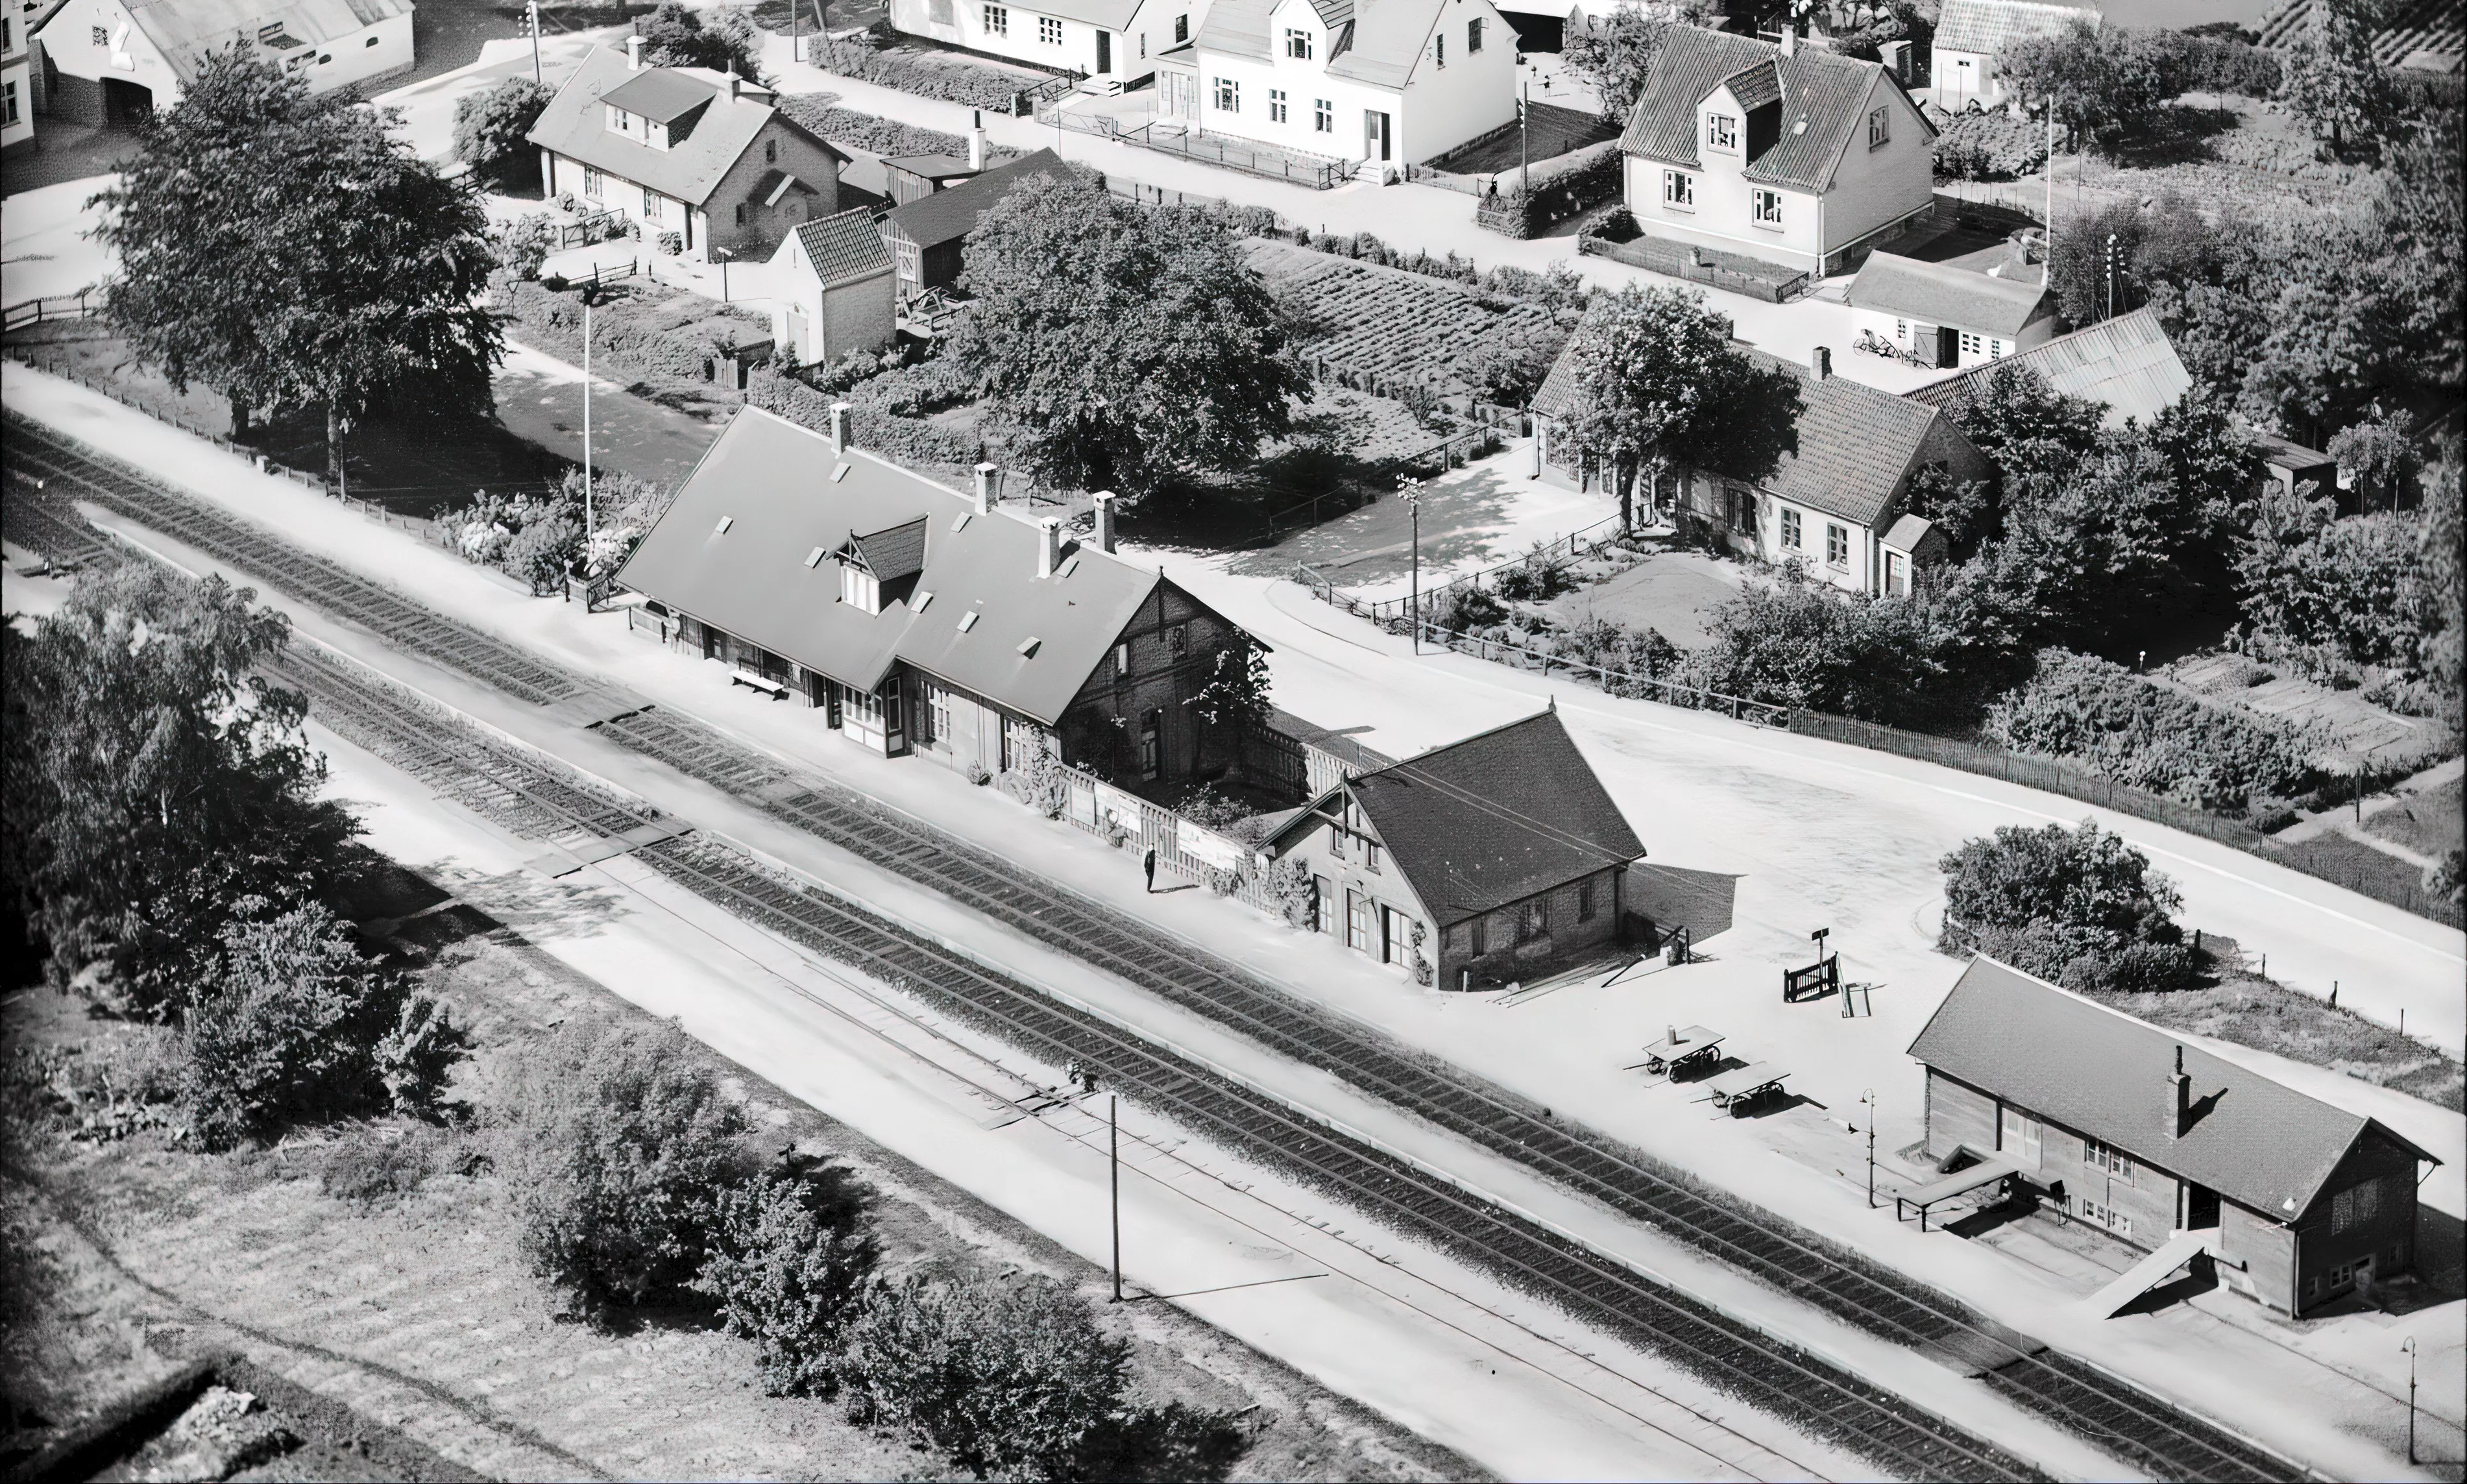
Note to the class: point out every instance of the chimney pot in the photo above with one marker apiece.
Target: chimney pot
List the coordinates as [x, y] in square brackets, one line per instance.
[1104, 520]
[1789, 37]
[634, 53]
[733, 82]
[839, 427]
[1821, 361]
[1048, 546]
[2180, 1090]
[987, 476]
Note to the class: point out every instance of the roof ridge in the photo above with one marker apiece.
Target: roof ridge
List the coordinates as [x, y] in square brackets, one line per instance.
[1449, 747]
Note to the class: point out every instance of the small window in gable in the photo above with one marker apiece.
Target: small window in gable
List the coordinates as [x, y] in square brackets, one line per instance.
[1721, 132]
[1880, 127]
[1297, 43]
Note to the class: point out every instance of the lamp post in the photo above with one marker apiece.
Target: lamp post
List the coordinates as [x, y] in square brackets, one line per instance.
[590, 527]
[1113, 1148]
[2409, 1345]
[1869, 1097]
[1413, 491]
[723, 255]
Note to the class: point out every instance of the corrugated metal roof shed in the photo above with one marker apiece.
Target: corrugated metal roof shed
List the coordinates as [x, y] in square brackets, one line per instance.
[1987, 27]
[2125, 362]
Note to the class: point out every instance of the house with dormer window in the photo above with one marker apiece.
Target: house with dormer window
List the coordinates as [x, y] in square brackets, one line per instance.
[1791, 154]
[1110, 41]
[1381, 83]
[115, 62]
[700, 158]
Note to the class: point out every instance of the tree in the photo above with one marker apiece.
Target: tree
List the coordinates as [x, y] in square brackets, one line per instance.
[2377, 458]
[1805, 644]
[1121, 348]
[790, 1251]
[2106, 84]
[2331, 79]
[2439, 652]
[677, 36]
[491, 129]
[1614, 54]
[156, 781]
[2168, 243]
[2079, 908]
[621, 1147]
[2150, 736]
[2026, 427]
[1507, 367]
[2332, 595]
[1657, 384]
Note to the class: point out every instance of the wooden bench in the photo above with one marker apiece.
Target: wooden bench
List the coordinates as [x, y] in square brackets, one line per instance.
[762, 683]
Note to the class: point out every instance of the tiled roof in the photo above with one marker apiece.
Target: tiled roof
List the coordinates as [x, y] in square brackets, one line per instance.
[575, 124]
[951, 213]
[1987, 27]
[2125, 362]
[1939, 294]
[1822, 91]
[2100, 1072]
[773, 483]
[893, 553]
[844, 247]
[185, 30]
[1103, 14]
[1378, 43]
[1757, 85]
[658, 94]
[1496, 818]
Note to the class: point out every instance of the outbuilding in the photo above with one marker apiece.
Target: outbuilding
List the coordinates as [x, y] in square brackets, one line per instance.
[2126, 362]
[831, 290]
[928, 235]
[111, 61]
[1949, 316]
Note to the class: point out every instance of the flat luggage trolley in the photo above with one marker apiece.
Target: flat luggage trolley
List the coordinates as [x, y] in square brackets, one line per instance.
[1681, 1049]
[1741, 1086]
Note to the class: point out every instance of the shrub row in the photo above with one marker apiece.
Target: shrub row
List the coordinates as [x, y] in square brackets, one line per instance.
[618, 338]
[901, 439]
[870, 131]
[861, 57]
[1993, 145]
[1523, 214]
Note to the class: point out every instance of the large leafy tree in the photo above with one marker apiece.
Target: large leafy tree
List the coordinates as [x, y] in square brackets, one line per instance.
[1658, 386]
[2331, 79]
[2104, 83]
[1120, 347]
[491, 129]
[674, 35]
[2079, 907]
[1615, 54]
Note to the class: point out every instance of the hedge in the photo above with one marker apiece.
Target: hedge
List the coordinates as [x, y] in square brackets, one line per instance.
[901, 439]
[977, 87]
[879, 135]
[620, 336]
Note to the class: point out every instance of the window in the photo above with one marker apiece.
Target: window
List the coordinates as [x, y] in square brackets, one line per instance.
[1790, 529]
[1048, 31]
[1123, 662]
[2355, 1205]
[1585, 900]
[1768, 208]
[650, 204]
[1323, 116]
[1721, 132]
[1177, 640]
[1357, 922]
[1473, 35]
[1297, 44]
[937, 715]
[1679, 190]
[2118, 1164]
[740, 213]
[860, 590]
[997, 20]
[1742, 506]
[102, 37]
[1880, 127]
[595, 184]
[1478, 932]
[372, 41]
[1534, 920]
[1151, 743]
[1902, 332]
[769, 151]
[1229, 95]
[8, 35]
[1837, 545]
[1995, 349]
[1276, 105]
[1371, 855]
[1440, 50]
[2107, 1216]
[8, 102]
[1181, 28]
[1973, 344]
[620, 121]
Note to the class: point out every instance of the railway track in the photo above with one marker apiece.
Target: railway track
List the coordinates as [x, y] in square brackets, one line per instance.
[2114, 1414]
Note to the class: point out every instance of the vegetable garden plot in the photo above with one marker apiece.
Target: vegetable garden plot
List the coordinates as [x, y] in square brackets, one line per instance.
[1396, 327]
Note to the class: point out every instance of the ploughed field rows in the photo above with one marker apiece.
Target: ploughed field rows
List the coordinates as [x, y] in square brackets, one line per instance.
[1402, 328]
[2116, 1415]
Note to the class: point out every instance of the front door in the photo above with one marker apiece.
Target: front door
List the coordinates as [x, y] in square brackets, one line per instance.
[2018, 1135]
[1323, 893]
[1105, 52]
[1375, 135]
[893, 715]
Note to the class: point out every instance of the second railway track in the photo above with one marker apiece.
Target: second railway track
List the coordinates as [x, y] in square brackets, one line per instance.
[2143, 1429]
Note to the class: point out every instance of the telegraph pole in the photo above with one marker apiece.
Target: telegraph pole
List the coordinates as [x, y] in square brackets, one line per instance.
[1869, 1097]
[589, 526]
[2410, 1348]
[1524, 136]
[1114, 1141]
[1412, 488]
[535, 56]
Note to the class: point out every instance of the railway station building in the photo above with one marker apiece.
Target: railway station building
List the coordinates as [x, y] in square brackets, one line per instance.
[920, 620]
[2153, 1139]
[1492, 859]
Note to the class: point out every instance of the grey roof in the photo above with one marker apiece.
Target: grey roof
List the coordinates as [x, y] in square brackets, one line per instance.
[1336, 744]
[1941, 294]
[1823, 95]
[933, 166]
[1987, 27]
[2100, 1072]
[659, 94]
[894, 553]
[772, 481]
[1378, 43]
[949, 214]
[1496, 818]
[844, 247]
[2125, 362]
[1908, 532]
[1855, 442]
[1757, 85]
[185, 30]
[1103, 14]
[574, 125]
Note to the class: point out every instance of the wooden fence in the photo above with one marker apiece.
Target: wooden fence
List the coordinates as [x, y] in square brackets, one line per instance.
[1779, 286]
[1392, 611]
[85, 304]
[1184, 848]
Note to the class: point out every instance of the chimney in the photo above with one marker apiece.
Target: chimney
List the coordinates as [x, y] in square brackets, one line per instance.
[1048, 546]
[1104, 520]
[986, 477]
[1789, 36]
[634, 53]
[977, 141]
[731, 82]
[2181, 1087]
[1819, 362]
[839, 427]
[1896, 57]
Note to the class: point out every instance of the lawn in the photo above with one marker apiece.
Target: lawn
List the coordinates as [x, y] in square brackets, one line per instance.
[2428, 823]
[1671, 589]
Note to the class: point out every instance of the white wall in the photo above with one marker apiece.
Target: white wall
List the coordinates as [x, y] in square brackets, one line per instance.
[68, 39]
[1437, 109]
[1896, 328]
[1956, 77]
[1021, 39]
[624, 198]
[1472, 94]
[1875, 188]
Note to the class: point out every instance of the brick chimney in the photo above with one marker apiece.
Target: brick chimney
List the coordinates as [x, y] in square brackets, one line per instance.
[2180, 1091]
[1104, 520]
[633, 54]
[1048, 546]
[977, 141]
[1819, 362]
[988, 477]
[839, 427]
[1789, 35]
[731, 82]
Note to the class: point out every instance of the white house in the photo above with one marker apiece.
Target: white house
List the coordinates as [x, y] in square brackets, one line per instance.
[830, 289]
[1792, 154]
[1948, 316]
[1970, 34]
[1105, 40]
[16, 77]
[112, 61]
[1378, 82]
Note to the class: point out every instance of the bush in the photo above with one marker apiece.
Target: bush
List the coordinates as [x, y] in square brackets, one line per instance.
[959, 82]
[1289, 885]
[677, 36]
[789, 1256]
[524, 243]
[1991, 146]
[491, 131]
[619, 1146]
[2150, 737]
[901, 439]
[535, 539]
[879, 135]
[378, 1166]
[1507, 367]
[2333, 597]
[1893, 660]
[295, 1025]
[2078, 908]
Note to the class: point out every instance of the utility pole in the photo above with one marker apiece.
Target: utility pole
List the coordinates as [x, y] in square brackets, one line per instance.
[1524, 136]
[535, 56]
[1412, 488]
[1869, 1097]
[1114, 1140]
[2049, 274]
[2110, 276]
[590, 527]
[723, 255]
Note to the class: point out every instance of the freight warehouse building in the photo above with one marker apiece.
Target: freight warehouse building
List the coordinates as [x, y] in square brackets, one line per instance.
[2152, 1139]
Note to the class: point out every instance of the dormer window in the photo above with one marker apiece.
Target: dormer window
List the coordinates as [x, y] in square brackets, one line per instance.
[1721, 132]
[620, 121]
[860, 590]
[1297, 44]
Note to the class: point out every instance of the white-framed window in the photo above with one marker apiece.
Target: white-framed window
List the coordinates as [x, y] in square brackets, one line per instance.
[620, 120]
[1901, 332]
[1357, 921]
[1973, 344]
[651, 204]
[1880, 127]
[1679, 190]
[1790, 528]
[997, 20]
[1276, 105]
[1742, 505]
[1721, 132]
[1048, 31]
[2118, 1164]
[595, 181]
[1837, 545]
[1323, 116]
[1180, 29]
[937, 715]
[1768, 208]
[1440, 49]
[1229, 95]
[1995, 349]
[2107, 1216]
[9, 103]
[1297, 43]
[859, 589]
[1473, 35]
[1371, 855]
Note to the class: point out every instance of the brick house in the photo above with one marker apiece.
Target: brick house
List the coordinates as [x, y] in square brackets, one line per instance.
[109, 61]
[2144, 1135]
[830, 285]
[1494, 859]
[923, 621]
[706, 155]
[1838, 505]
